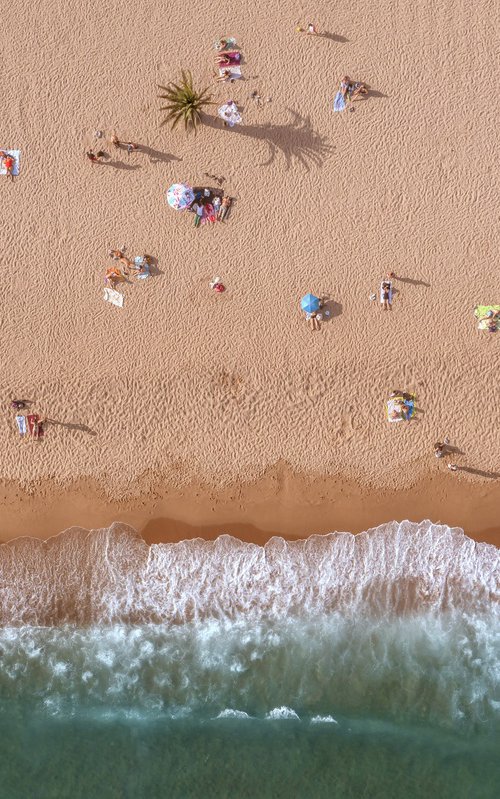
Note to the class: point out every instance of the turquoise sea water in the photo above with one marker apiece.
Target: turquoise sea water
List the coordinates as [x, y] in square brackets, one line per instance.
[333, 668]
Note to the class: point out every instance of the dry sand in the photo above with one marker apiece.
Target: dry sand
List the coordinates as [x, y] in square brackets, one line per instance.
[182, 386]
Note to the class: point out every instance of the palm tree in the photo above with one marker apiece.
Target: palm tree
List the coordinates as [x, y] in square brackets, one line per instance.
[184, 102]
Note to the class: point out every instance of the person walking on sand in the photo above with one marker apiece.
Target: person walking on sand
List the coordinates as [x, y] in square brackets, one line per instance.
[453, 467]
[128, 145]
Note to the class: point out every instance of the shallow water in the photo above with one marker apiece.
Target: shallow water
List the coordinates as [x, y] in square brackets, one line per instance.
[336, 667]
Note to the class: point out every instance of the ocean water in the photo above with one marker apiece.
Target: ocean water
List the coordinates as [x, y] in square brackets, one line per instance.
[340, 666]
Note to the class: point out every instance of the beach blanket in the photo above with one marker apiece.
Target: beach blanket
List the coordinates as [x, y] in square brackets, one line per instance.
[482, 310]
[339, 103]
[32, 419]
[395, 403]
[16, 154]
[235, 72]
[382, 291]
[21, 424]
[113, 296]
[141, 263]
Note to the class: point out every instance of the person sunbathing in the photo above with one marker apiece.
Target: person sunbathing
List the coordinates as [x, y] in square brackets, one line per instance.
[118, 255]
[228, 59]
[224, 208]
[313, 320]
[225, 75]
[142, 267]
[385, 296]
[113, 277]
[491, 318]
[8, 163]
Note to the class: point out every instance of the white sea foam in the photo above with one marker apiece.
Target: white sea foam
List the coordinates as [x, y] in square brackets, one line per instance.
[229, 713]
[282, 713]
[112, 575]
[323, 720]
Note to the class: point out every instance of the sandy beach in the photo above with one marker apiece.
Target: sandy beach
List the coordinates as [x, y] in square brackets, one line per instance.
[187, 411]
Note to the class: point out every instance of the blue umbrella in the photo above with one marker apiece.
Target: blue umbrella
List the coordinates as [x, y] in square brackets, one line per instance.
[310, 303]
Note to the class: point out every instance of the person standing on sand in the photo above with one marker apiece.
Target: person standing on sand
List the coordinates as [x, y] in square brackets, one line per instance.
[440, 448]
[94, 157]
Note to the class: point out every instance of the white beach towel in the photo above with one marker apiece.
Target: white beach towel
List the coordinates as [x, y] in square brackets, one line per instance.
[235, 72]
[16, 155]
[113, 296]
[21, 424]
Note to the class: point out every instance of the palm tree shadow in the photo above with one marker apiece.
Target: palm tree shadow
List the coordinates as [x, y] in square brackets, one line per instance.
[297, 141]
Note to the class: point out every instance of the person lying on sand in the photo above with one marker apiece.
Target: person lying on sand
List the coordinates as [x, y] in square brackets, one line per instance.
[385, 296]
[143, 269]
[224, 208]
[118, 255]
[113, 277]
[491, 318]
[228, 59]
[313, 320]
[225, 75]
[7, 162]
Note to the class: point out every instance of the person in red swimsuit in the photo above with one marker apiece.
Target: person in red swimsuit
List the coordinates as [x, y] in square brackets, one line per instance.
[8, 163]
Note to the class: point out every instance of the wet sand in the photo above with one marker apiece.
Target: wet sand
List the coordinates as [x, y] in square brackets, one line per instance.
[280, 503]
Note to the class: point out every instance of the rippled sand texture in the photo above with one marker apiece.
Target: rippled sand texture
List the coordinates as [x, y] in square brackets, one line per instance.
[226, 385]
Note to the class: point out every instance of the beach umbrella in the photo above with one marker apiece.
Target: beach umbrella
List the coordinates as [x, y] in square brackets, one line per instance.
[180, 196]
[229, 113]
[310, 303]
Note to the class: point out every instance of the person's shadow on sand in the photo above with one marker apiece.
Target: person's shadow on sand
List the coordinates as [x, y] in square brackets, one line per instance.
[296, 141]
[157, 156]
[333, 37]
[83, 428]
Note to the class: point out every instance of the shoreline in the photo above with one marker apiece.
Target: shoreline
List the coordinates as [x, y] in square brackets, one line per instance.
[280, 503]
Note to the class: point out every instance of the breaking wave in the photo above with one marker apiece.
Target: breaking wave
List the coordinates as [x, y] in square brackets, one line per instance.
[112, 576]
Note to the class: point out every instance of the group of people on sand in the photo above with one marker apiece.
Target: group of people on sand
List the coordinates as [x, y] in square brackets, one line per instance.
[28, 424]
[212, 211]
[101, 155]
[137, 268]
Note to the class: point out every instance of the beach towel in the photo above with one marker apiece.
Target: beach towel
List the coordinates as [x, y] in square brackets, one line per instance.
[339, 103]
[21, 424]
[230, 41]
[32, 419]
[113, 296]
[235, 72]
[16, 154]
[394, 404]
[482, 310]
[141, 263]
[382, 291]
